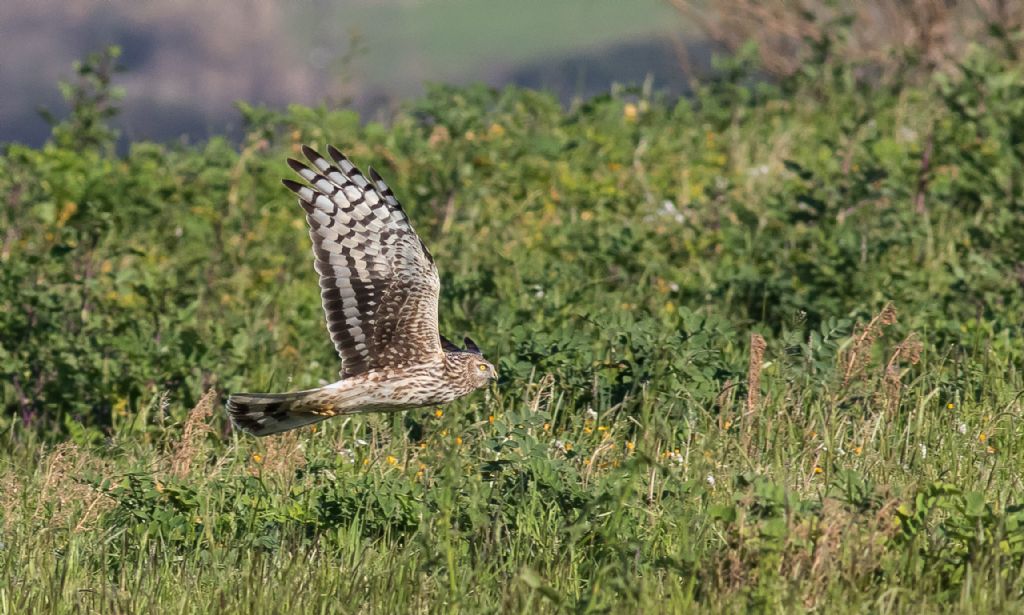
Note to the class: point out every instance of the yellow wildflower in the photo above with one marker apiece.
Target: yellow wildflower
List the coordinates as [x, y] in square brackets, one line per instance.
[69, 209]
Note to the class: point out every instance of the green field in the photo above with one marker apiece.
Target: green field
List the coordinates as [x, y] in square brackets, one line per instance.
[620, 263]
[398, 43]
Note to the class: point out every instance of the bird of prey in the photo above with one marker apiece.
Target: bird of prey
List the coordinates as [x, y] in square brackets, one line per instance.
[379, 287]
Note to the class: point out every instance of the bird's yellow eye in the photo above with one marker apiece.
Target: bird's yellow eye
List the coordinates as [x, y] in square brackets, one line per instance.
[482, 367]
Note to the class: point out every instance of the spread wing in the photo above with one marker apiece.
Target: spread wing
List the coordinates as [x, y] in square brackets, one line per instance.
[378, 281]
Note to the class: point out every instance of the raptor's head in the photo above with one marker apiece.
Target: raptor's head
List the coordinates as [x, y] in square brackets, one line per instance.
[475, 368]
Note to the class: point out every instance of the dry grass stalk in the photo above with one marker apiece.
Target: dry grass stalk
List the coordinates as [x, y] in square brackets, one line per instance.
[756, 363]
[892, 388]
[542, 393]
[197, 427]
[284, 454]
[839, 532]
[838, 541]
[724, 402]
[757, 348]
[935, 32]
[906, 352]
[858, 355]
[11, 491]
[606, 445]
[63, 495]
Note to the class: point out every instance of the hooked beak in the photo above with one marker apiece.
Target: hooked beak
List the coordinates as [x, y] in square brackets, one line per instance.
[494, 373]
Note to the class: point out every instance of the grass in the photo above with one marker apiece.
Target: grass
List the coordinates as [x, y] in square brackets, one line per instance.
[758, 352]
[804, 508]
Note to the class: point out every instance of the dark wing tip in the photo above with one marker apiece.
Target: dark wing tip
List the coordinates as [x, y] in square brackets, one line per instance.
[336, 153]
[311, 154]
[297, 166]
[293, 185]
[471, 346]
[374, 175]
[448, 346]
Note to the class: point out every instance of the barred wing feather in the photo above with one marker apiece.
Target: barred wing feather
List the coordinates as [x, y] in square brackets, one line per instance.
[378, 281]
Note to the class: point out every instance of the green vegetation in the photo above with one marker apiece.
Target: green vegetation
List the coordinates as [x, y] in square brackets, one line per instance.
[760, 350]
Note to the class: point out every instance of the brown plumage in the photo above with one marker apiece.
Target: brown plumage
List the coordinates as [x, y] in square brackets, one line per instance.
[379, 287]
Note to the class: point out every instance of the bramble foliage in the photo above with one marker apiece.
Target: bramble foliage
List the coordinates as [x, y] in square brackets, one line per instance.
[614, 260]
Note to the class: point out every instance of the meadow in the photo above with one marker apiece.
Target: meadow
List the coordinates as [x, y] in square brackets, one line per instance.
[759, 351]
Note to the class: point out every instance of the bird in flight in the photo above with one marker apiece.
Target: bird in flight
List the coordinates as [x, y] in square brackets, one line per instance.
[379, 287]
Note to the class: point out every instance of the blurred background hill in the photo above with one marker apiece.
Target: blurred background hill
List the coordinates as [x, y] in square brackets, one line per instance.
[186, 62]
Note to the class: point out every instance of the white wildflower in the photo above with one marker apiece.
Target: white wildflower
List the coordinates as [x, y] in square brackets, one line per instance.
[668, 208]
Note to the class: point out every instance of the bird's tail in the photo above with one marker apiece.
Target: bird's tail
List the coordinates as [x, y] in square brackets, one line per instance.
[264, 414]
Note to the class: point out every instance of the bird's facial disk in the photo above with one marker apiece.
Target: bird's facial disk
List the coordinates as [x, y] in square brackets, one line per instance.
[482, 370]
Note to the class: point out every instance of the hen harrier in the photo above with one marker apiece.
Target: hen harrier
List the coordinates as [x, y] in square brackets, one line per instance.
[379, 287]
